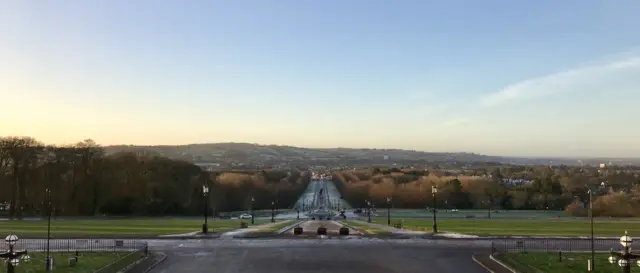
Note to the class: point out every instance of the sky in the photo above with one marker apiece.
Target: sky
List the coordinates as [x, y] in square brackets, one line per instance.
[498, 77]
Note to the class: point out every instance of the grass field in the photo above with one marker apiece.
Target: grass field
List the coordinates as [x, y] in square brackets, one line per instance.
[539, 227]
[364, 227]
[117, 227]
[550, 263]
[87, 262]
[477, 213]
[258, 213]
[276, 226]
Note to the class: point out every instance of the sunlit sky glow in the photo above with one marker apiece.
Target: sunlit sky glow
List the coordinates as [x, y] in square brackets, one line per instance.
[526, 78]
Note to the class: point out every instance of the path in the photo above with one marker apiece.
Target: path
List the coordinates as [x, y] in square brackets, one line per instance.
[318, 256]
[391, 229]
[231, 234]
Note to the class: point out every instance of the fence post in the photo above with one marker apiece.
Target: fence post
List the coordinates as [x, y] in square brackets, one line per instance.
[492, 248]
[560, 256]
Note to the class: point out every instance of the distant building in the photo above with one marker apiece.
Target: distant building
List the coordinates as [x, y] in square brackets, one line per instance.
[516, 181]
[208, 166]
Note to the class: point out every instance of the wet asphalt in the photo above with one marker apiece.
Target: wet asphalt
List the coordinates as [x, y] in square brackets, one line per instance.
[316, 255]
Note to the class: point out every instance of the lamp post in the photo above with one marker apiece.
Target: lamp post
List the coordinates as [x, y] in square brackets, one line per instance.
[388, 210]
[205, 194]
[273, 211]
[298, 213]
[368, 212]
[12, 258]
[251, 210]
[49, 262]
[434, 190]
[624, 257]
[593, 250]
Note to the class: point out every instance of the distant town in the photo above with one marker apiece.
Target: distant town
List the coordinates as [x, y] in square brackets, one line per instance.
[245, 156]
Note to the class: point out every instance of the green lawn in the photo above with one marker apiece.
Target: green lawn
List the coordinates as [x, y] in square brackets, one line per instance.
[364, 227]
[478, 213]
[276, 227]
[87, 262]
[532, 227]
[258, 213]
[117, 227]
[550, 263]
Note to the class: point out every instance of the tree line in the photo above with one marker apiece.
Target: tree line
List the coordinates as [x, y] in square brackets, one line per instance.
[83, 181]
[614, 189]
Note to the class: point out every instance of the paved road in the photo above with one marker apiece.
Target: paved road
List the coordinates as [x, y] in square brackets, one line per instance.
[318, 256]
[308, 197]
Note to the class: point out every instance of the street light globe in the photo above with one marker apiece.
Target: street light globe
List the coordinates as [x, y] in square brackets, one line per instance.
[626, 240]
[623, 262]
[15, 262]
[613, 260]
[12, 239]
[638, 262]
[26, 258]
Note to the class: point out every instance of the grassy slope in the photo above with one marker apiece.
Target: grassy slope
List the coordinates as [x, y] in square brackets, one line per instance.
[364, 227]
[537, 227]
[87, 262]
[115, 227]
[277, 226]
[550, 262]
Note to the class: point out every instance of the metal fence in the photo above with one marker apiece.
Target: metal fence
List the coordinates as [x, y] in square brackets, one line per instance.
[131, 250]
[73, 245]
[514, 245]
[125, 261]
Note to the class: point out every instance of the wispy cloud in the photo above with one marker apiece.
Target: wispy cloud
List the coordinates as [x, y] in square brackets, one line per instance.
[421, 95]
[427, 110]
[456, 122]
[565, 81]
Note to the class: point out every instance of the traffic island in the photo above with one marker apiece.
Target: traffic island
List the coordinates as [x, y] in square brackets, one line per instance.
[265, 231]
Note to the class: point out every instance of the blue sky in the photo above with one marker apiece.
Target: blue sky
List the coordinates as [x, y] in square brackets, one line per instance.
[530, 78]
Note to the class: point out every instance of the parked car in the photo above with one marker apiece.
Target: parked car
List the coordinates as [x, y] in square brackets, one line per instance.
[245, 216]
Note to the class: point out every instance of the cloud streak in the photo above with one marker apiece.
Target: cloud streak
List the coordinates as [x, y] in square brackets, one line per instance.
[455, 122]
[565, 81]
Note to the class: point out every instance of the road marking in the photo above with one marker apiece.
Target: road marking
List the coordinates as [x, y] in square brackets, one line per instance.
[473, 257]
[244, 255]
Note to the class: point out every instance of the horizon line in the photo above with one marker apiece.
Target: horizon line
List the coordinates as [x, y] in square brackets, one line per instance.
[397, 149]
[338, 147]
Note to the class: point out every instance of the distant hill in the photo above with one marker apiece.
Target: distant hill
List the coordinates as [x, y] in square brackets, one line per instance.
[225, 153]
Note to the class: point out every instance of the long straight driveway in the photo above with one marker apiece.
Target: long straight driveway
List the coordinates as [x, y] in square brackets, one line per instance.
[317, 256]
